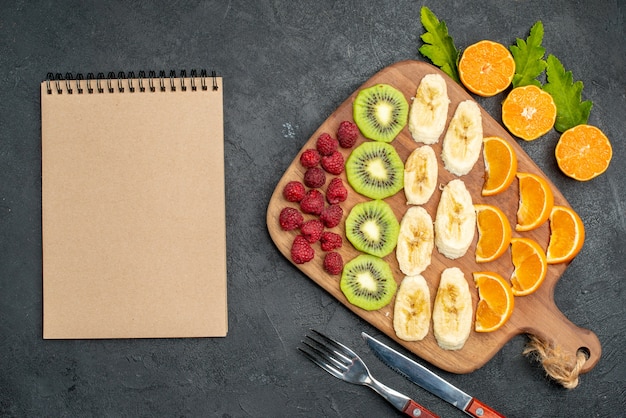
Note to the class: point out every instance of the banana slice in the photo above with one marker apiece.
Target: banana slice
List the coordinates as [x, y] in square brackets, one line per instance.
[455, 221]
[411, 313]
[463, 139]
[420, 175]
[416, 241]
[429, 111]
[452, 312]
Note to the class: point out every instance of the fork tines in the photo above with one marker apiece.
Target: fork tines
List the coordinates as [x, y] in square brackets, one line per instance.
[321, 349]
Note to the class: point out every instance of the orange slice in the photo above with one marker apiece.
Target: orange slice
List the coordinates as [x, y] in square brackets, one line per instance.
[494, 232]
[583, 152]
[567, 235]
[486, 68]
[500, 165]
[495, 303]
[528, 112]
[535, 201]
[531, 266]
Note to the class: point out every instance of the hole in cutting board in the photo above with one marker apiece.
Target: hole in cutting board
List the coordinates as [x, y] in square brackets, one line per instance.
[585, 351]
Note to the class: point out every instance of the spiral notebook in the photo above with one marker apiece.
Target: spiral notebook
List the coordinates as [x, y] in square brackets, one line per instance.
[133, 206]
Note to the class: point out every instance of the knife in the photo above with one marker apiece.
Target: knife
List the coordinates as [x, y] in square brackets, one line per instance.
[428, 380]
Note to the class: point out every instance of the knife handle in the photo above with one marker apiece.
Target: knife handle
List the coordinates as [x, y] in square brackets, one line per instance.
[413, 409]
[478, 409]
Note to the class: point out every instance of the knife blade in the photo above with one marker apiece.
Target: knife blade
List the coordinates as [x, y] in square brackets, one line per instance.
[428, 380]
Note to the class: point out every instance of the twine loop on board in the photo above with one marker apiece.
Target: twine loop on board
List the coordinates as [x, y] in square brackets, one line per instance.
[556, 363]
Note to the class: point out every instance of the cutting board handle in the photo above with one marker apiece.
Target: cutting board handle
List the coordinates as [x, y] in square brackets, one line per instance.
[564, 349]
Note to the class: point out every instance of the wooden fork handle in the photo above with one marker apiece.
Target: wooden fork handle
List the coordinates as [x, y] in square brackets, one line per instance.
[413, 409]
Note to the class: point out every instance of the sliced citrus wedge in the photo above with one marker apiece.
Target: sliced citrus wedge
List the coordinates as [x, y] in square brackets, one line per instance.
[567, 235]
[496, 301]
[500, 165]
[531, 266]
[494, 232]
[535, 201]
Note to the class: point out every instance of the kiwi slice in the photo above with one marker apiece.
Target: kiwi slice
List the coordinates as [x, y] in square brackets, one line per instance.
[367, 282]
[380, 112]
[372, 228]
[375, 170]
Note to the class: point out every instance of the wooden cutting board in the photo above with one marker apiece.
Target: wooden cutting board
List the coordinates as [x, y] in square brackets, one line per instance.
[534, 314]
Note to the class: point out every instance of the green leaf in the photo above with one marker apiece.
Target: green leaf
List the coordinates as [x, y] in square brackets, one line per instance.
[528, 56]
[438, 45]
[570, 109]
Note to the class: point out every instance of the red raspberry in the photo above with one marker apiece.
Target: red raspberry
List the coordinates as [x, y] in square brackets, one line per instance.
[333, 263]
[313, 202]
[314, 177]
[290, 219]
[333, 163]
[331, 216]
[294, 191]
[301, 250]
[312, 230]
[330, 241]
[347, 134]
[310, 158]
[326, 144]
[336, 191]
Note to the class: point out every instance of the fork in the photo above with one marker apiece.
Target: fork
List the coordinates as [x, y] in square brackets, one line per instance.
[345, 364]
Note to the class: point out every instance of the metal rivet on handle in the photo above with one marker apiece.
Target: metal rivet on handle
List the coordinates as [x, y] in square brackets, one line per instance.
[479, 412]
[417, 412]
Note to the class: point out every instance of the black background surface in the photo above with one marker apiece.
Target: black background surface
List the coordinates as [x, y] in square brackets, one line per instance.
[286, 66]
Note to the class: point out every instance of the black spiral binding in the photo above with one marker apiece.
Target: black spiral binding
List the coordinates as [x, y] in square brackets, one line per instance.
[122, 82]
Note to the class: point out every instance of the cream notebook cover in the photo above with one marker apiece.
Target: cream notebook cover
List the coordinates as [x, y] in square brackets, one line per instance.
[133, 207]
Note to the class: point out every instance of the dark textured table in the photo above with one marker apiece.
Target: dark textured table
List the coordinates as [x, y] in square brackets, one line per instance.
[286, 66]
